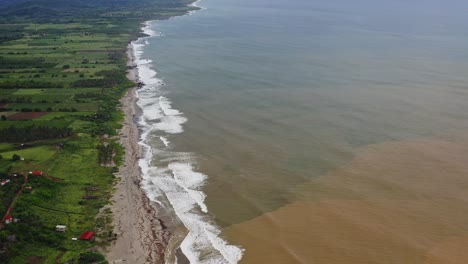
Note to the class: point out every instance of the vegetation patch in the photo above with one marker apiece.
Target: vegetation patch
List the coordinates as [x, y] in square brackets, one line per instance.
[62, 73]
[26, 116]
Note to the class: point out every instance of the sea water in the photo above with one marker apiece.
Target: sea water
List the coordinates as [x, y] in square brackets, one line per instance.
[270, 127]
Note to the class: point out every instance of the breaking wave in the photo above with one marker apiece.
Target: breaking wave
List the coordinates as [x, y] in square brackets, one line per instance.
[173, 183]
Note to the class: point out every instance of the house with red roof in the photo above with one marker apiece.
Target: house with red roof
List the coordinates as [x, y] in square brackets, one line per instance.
[88, 235]
[8, 219]
[38, 172]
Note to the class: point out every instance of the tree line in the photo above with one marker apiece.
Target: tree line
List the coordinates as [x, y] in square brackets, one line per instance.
[19, 63]
[29, 84]
[33, 132]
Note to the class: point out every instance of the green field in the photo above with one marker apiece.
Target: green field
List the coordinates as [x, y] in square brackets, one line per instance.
[67, 60]
[34, 155]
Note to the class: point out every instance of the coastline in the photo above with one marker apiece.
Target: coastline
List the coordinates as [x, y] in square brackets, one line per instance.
[141, 236]
[143, 231]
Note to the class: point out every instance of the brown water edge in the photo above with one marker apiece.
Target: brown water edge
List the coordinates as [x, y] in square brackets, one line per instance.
[395, 202]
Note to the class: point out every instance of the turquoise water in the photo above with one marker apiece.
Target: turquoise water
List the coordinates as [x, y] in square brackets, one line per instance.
[275, 93]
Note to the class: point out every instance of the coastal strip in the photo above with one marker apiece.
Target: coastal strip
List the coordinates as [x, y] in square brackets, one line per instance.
[159, 212]
[141, 236]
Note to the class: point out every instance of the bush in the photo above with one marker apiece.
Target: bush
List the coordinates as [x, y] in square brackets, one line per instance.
[3, 236]
[91, 257]
[16, 157]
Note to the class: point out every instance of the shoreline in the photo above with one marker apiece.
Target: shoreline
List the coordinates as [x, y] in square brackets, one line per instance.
[141, 236]
[143, 231]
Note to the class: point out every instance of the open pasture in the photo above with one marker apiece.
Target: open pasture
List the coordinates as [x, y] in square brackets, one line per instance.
[34, 155]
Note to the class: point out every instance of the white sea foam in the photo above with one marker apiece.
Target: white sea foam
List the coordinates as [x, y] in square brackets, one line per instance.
[171, 124]
[190, 181]
[202, 244]
[148, 30]
[174, 183]
[196, 4]
[164, 141]
[166, 107]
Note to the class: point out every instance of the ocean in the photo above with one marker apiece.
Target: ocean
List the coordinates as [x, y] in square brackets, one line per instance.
[309, 131]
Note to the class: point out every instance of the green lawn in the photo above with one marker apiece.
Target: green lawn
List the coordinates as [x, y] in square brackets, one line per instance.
[34, 155]
[6, 147]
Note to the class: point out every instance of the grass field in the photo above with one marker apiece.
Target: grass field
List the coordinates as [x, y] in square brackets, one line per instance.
[32, 156]
[6, 147]
[70, 62]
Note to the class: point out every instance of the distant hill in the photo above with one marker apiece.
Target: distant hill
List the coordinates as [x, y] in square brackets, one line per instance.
[77, 8]
[90, 3]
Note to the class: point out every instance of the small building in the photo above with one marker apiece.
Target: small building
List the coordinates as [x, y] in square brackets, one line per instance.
[8, 219]
[38, 172]
[60, 228]
[4, 182]
[88, 235]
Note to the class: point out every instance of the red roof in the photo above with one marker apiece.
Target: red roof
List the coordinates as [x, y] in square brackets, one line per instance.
[88, 235]
[37, 172]
[9, 218]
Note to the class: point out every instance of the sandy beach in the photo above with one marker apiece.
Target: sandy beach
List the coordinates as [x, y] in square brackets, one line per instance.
[141, 236]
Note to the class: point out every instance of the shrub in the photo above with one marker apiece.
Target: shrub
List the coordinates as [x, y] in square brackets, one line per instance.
[91, 257]
[16, 157]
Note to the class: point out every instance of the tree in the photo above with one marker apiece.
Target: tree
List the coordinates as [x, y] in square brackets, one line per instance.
[3, 118]
[16, 157]
[3, 236]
